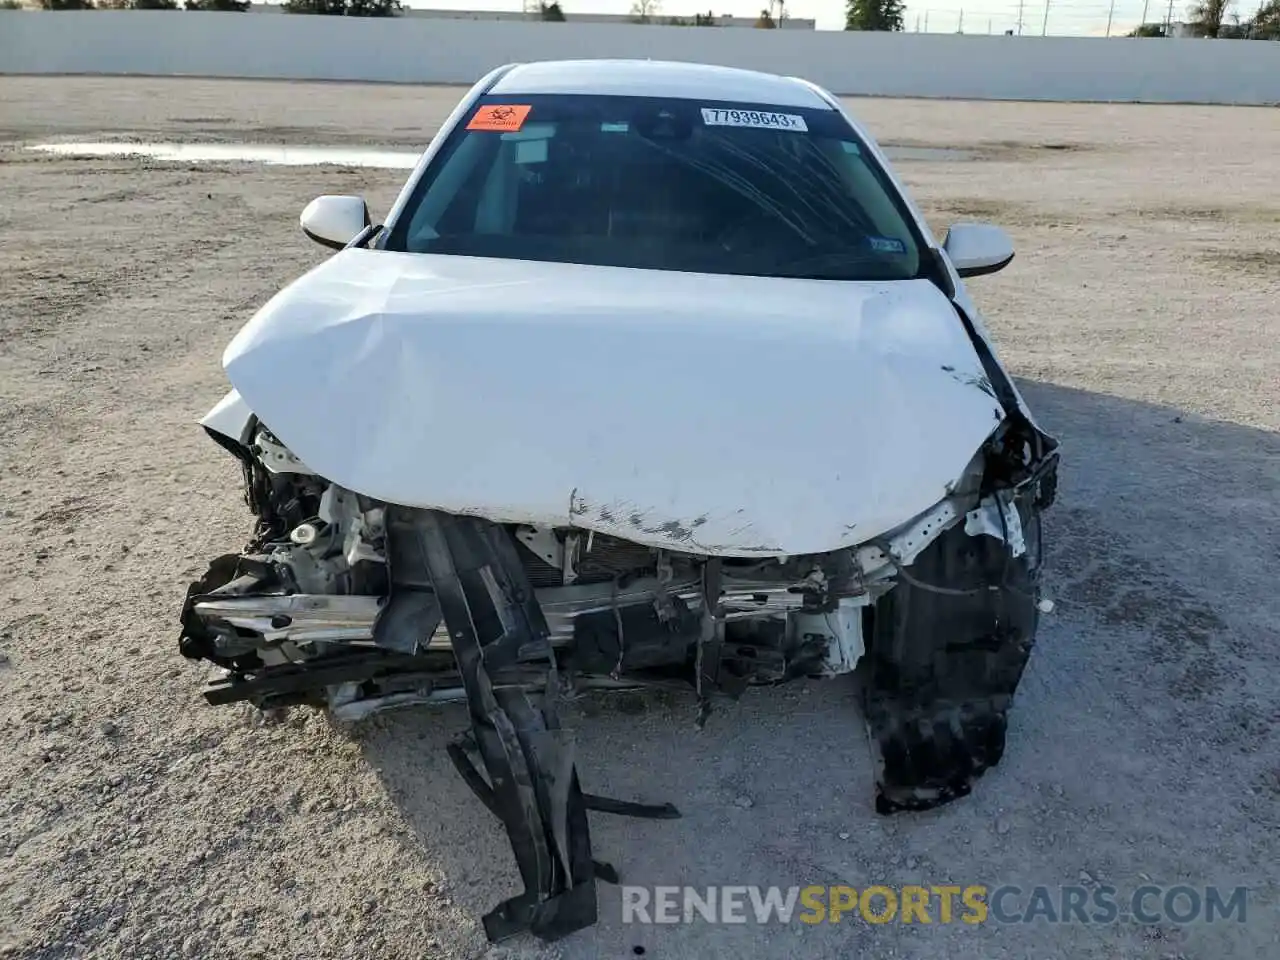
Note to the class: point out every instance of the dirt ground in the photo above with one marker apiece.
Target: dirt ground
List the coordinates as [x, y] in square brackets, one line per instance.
[1142, 315]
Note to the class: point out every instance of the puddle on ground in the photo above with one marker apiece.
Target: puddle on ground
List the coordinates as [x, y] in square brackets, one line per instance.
[282, 155]
[239, 152]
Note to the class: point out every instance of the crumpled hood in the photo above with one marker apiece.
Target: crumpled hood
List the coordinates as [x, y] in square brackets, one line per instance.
[738, 416]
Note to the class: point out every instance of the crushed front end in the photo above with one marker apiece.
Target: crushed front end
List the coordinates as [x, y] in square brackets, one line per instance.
[357, 606]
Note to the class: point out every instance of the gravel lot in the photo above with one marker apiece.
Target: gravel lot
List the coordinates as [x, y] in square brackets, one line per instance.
[1142, 314]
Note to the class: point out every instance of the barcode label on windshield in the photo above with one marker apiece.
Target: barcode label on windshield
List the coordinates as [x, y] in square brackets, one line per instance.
[714, 117]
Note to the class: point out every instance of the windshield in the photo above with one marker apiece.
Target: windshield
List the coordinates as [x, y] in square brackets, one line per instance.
[662, 184]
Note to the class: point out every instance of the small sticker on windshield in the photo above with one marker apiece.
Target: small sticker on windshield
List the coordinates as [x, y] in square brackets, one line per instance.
[716, 117]
[531, 151]
[620, 127]
[887, 245]
[505, 117]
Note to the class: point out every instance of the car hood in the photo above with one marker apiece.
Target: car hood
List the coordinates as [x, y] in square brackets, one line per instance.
[726, 415]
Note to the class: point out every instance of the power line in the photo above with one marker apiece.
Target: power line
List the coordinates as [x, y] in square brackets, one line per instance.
[1015, 17]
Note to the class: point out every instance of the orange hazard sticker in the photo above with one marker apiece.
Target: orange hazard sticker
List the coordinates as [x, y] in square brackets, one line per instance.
[505, 117]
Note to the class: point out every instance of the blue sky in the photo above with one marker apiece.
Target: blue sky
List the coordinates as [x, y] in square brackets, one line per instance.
[1066, 17]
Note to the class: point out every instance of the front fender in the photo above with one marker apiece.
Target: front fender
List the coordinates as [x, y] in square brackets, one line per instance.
[230, 417]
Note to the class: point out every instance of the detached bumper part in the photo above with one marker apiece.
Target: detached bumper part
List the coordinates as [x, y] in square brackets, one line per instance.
[494, 620]
[945, 662]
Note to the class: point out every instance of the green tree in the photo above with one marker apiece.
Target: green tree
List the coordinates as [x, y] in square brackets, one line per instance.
[873, 15]
[551, 12]
[66, 4]
[232, 6]
[10, 4]
[374, 8]
[345, 8]
[335, 8]
[1265, 24]
[765, 21]
[1207, 17]
[153, 4]
[1147, 30]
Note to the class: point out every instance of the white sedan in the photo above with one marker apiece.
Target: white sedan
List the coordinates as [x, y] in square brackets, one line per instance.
[654, 375]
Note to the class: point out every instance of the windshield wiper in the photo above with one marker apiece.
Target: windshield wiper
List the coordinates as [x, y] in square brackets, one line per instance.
[831, 258]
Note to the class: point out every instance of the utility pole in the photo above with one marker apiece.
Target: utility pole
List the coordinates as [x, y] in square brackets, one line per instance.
[1044, 27]
[1110, 13]
[988, 26]
[1144, 11]
[1168, 21]
[926, 20]
[960, 28]
[917, 23]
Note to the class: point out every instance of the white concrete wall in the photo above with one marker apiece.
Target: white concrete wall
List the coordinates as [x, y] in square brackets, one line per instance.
[422, 50]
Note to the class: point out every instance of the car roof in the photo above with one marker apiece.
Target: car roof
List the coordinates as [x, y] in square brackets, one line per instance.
[658, 78]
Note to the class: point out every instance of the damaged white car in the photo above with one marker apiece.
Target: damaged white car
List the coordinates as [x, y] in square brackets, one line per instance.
[652, 376]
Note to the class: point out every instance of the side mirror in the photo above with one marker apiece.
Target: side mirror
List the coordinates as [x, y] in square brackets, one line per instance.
[977, 248]
[333, 221]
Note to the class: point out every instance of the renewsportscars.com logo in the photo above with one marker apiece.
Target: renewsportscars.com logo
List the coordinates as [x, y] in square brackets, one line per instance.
[943, 904]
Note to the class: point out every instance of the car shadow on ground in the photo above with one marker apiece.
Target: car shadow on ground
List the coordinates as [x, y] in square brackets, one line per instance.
[1142, 741]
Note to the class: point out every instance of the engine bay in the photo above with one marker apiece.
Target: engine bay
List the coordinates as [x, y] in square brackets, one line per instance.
[317, 582]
